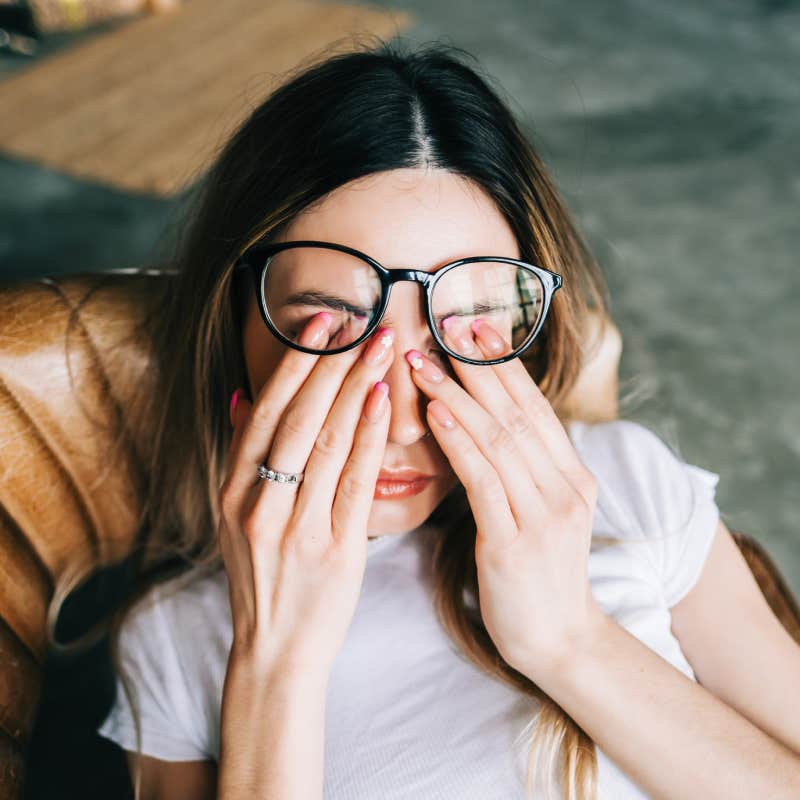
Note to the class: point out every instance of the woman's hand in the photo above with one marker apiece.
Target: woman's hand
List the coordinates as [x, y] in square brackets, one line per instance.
[532, 498]
[295, 555]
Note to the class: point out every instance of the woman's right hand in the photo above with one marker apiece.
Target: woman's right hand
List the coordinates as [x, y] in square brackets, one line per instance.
[295, 555]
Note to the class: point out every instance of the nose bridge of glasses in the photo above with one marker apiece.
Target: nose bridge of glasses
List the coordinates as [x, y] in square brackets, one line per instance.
[417, 275]
[409, 275]
[408, 305]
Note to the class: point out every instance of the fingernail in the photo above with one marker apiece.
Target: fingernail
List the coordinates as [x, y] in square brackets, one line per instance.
[377, 401]
[426, 368]
[324, 318]
[487, 336]
[442, 415]
[460, 338]
[379, 347]
[234, 400]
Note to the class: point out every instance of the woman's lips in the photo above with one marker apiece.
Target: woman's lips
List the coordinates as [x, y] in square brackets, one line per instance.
[402, 474]
[395, 490]
[399, 484]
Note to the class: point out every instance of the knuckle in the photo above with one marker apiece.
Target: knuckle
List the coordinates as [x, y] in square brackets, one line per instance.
[585, 484]
[561, 512]
[304, 518]
[590, 485]
[539, 408]
[294, 422]
[352, 486]
[500, 439]
[252, 526]
[305, 546]
[295, 368]
[517, 421]
[329, 441]
[474, 481]
[576, 508]
[261, 416]
[494, 492]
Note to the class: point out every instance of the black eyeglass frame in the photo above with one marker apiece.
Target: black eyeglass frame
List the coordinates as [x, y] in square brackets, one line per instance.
[254, 259]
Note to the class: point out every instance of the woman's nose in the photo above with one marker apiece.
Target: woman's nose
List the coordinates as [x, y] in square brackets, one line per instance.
[407, 424]
[408, 403]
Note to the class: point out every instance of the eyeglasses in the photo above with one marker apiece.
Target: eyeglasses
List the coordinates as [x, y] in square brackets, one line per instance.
[295, 280]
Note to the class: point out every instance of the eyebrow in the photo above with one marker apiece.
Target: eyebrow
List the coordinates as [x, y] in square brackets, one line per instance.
[323, 299]
[326, 300]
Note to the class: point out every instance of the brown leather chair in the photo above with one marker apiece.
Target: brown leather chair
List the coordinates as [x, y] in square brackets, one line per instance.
[66, 375]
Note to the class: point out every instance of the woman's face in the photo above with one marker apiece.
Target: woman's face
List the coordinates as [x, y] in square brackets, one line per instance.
[406, 218]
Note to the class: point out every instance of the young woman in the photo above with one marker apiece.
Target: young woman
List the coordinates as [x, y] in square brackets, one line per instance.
[402, 570]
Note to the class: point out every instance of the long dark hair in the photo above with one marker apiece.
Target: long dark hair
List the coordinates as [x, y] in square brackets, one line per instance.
[351, 114]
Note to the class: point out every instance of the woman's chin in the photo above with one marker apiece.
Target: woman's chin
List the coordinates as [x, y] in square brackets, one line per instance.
[382, 523]
[400, 514]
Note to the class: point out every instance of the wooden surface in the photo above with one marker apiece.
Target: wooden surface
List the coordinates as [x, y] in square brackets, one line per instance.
[146, 106]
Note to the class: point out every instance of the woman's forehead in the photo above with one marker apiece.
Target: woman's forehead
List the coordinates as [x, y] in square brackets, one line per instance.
[420, 218]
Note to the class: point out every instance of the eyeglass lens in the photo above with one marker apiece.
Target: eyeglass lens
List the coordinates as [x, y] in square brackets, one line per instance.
[299, 282]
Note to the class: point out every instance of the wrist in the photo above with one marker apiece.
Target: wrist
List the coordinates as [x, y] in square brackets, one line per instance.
[272, 728]
[574, 648]
[252, 664]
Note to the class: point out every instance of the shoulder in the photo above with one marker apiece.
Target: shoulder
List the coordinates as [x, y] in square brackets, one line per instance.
[169, 603]
[643, 481]
[619, 446]
[151, 638]
[178, 619]
[172, 647]
[647, 492]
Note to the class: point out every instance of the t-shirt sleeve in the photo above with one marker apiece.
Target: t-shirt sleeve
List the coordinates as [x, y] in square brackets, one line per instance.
[645, 489]
[148, 655]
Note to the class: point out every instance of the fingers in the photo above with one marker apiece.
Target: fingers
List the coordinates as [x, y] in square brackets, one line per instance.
[356, 486]
[485, 488]
[268, 407]
[348, 332]
[490, 387]
[303, 425]
[236, 558]
[304, 415]
[495, 444]
[334, 441]
[518, 403]
[527, 395]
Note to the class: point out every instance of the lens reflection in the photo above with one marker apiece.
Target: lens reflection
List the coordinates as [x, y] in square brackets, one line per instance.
[299, 282]
[509, 297]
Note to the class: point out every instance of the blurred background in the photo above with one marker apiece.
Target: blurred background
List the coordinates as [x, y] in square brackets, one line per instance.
[670, 128]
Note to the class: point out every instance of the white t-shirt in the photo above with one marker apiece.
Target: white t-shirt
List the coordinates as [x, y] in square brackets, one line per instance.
[407, 715]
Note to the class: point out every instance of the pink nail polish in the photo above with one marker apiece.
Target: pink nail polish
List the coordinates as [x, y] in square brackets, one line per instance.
[426, 369]
[234, 400]
[441, 414]
[414, 357]
[376, 402]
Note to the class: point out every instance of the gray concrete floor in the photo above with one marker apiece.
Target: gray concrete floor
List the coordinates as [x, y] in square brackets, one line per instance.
[672, 131]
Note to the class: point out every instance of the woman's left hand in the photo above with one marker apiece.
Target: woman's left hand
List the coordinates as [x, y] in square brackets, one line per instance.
[532, 497]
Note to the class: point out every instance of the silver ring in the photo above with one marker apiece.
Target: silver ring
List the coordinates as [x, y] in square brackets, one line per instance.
[279, 477]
